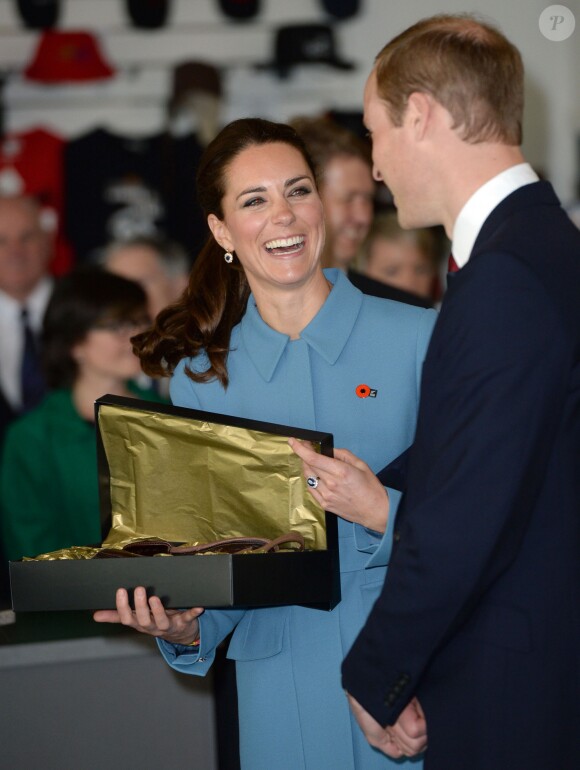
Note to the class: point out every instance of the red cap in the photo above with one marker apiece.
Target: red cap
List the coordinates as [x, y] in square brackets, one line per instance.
[68, 56]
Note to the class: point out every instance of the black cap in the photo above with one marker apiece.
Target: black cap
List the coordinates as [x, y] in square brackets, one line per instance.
[240, 9]
[341, 9]
[39, 14]
[148, 14]
[305, 44]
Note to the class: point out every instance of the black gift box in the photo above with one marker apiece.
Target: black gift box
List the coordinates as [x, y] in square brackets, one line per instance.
[310, 577]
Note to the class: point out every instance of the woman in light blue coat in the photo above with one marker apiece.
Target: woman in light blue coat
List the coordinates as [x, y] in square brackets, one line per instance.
[266, 334]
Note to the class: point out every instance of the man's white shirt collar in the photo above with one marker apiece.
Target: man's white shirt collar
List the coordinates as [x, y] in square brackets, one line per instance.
[35, 303]
[482, 203]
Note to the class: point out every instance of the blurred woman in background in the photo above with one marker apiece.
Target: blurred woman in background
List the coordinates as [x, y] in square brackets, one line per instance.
[48, 477]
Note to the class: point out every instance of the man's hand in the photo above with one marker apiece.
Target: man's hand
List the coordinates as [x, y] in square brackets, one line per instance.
[406, 738]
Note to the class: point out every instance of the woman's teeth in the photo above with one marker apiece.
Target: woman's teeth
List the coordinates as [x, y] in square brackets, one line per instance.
[285, 245]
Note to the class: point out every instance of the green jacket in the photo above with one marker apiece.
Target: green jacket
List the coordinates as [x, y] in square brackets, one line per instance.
[49, 495]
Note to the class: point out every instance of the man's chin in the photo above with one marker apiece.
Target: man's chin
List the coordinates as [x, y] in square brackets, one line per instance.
[407, 222]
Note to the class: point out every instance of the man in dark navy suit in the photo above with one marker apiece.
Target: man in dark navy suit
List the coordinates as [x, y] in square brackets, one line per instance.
[473, 647]
[479, 619]
[26, 247]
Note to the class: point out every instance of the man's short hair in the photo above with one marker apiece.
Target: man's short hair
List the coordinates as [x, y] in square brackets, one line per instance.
[467, 65]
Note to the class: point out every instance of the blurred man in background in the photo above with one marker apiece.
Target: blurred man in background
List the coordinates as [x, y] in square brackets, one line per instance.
[347, 191]
[25, 286]
[160, 266]
[26, 245]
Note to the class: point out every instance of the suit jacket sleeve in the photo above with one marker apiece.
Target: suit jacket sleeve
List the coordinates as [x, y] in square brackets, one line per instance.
[494, 383]
[394, 475]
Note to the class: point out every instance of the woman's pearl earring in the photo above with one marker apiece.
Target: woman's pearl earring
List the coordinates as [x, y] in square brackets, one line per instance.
[229, 257]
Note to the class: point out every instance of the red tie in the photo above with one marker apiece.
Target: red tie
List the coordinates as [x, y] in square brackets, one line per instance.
[452, 267]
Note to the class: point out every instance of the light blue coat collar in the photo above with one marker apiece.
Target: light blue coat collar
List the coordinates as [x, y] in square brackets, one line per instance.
[327, 333]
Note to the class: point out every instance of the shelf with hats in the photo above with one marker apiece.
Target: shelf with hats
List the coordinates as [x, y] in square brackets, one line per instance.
[226, 44]
[63, 59]
[126, 48]
[137, 81]
[291, 52]
[106, 15]
[201, 26]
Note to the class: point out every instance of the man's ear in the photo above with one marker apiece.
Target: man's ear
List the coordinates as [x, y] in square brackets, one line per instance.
[419, 113]
[220, 232]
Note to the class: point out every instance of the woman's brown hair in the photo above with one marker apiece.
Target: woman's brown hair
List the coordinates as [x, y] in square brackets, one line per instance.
[81, 301]
[215, 299]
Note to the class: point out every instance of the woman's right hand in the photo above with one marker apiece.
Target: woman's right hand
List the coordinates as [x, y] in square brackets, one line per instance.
[151, 617]
[346, 486]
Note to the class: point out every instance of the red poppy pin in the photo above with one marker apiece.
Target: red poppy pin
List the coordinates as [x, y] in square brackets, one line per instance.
[363, 391]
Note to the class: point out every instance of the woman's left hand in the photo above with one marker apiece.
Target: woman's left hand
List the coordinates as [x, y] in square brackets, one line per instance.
[346, 486]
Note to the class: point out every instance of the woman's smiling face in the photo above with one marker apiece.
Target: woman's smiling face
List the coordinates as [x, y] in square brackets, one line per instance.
[273, 216]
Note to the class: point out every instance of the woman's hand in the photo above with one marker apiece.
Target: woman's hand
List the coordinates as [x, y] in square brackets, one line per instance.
[346, 486]
[151, 617]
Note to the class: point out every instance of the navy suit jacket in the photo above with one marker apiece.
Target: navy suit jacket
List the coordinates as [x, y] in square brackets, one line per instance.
[379, 289]
[480, 613]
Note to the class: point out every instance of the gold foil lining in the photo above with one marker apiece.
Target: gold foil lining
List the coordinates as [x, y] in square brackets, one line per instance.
[75, 552]
[194, 481]
[78, 552]
[191, 481]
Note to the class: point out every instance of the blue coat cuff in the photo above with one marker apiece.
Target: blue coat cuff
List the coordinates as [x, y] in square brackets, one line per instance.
[214, 626]
[380, 546]
[185, 659]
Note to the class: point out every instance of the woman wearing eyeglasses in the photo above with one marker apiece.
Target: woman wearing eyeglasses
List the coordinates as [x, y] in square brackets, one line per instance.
[48, 475]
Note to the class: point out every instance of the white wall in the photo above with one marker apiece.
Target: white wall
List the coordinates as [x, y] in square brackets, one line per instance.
[134, 101]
